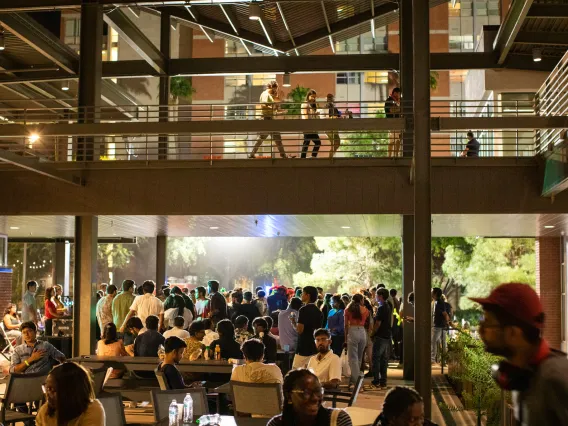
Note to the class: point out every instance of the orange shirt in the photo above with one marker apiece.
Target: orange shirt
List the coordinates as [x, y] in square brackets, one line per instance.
[354, 321]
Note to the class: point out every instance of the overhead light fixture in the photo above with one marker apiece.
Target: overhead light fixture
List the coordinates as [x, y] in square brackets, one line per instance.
[331, 43]
[537, 55]
[213, 227]
[65, 85]
[345, 227]
[33, 138]
[14, 228]
[2, 42]
[286, 82]
[549, 226]
[254, 12]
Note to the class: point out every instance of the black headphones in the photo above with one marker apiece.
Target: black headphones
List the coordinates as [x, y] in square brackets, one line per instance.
[510, 377]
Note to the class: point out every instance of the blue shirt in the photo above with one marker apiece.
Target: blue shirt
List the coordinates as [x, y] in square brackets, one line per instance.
[148, 343]
[276, 301]
[286, 331]
[43, 365]
[336, 322]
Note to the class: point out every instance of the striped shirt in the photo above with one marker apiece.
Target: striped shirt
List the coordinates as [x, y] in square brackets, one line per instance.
[323, 418]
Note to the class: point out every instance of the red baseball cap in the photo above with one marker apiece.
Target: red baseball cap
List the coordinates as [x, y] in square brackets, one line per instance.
[518, 300]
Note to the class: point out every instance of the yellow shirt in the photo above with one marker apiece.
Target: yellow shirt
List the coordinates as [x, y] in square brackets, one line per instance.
[93, 416]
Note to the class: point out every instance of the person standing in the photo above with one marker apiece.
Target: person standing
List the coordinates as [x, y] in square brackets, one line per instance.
[269, 109]
[356, 316]
[246, 308]
[472, 146]
[286, 330]
[202, 307]
[441, 320]
[513, 325]
[333, 136]
[392, 110]
[310, 112]
[50, 311]
[309, 320]
[336, 324]
[104, 307]
[146, 305]
[261, 302]
[396, 325]
[29, 304]
[325, 308]
[217, 302]
[121, 303]
[278, 300]
[381, 335]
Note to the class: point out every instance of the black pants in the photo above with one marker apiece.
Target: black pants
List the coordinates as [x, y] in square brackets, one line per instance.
[316, 140]
[337, 344]
[48, 327]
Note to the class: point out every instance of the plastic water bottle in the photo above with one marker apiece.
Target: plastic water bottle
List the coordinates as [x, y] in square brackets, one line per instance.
[187, 409]
[173, 413]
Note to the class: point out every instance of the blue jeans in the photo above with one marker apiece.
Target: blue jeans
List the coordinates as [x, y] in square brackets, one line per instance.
[381, 348]
[356, 342]
[438, 335]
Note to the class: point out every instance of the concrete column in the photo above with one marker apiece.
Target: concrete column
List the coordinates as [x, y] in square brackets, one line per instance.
[406, 77]
[407, 288]
[62, 262]
[422, 207]
[161, 250]
[85, 286]
[90, 74]
[549, 286]
[164, 88]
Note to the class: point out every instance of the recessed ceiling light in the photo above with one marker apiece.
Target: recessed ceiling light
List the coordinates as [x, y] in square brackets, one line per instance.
[549, 226]
[345, 227]
[213, 227]
[14, 227]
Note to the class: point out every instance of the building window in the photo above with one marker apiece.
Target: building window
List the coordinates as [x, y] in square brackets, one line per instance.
[348, 78]
[348, 46]
[235, 48]
[72, 31]
[235, 81]
[377, 77]
[262, 79]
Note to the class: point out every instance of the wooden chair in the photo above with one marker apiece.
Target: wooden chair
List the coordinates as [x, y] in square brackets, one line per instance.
[162, 381]
[21, 389]
[161, 400]
[114, 409]
[246, 397]
[344, 397]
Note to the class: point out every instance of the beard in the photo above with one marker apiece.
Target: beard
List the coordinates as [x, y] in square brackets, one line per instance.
[499, 349]
[323, 349]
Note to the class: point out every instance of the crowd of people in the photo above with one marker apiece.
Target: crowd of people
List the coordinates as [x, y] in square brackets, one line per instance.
[316, 328]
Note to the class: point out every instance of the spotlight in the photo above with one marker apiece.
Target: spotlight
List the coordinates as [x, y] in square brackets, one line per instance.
[254, 12]
[286, 82]
[537, 55]
[65, 85]
[33, 138]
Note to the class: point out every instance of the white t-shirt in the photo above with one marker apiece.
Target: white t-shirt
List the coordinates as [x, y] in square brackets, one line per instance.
[257, 372]
[210, 336]
[171, 313]
[328, 368]
[178, 332]
[147, 305]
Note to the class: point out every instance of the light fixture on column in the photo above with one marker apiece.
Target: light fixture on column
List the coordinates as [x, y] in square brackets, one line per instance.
[2, 42]
[254, 11]
[537, 55]
[286, 81]
[65, 85]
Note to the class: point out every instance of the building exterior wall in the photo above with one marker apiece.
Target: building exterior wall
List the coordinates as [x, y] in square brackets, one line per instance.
[548, 286]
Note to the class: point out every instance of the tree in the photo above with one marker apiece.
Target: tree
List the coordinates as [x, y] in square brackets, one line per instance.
[109, 258]
[40, 264]
[182, 254]
[366, 144]
[297, 95]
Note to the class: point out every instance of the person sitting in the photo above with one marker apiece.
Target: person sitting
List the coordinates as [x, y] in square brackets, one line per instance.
[70, 399]
[210, 334]
[270, 323]
[178, 330]
[148, 343]
[326, 365]
[133, 329]
[12, 323]
[303, 395]
[226, 341]
[174, 348]
[33, 356]
[111, 345]
[402, 406]
[177, 309]
[274, 329]
[254, 370]
[261, 332]
[194, 349]
[241, 329]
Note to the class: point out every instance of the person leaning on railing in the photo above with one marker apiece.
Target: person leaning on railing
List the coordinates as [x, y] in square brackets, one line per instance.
[392, 110]
[333, 135]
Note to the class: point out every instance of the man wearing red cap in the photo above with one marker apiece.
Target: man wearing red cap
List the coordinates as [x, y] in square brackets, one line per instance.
[537, 375]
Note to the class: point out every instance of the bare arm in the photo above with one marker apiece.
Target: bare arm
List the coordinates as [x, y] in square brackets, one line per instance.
[130, 315]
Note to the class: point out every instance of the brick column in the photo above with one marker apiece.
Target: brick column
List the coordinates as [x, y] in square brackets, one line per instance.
[548, 286]
[5, 286]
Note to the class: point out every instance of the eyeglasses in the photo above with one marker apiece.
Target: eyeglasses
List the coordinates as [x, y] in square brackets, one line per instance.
[47, 390]
[484, 325]
[308, 393]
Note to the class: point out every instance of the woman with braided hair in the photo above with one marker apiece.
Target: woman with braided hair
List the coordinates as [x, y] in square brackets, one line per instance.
[403, 406]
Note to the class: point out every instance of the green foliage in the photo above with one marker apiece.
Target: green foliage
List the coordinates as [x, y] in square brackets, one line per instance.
[434, 76]
[366, 144]
[182, 253]
[181, 87]
[111, 257]
[40, 262]
[297, 95]
[472, 368]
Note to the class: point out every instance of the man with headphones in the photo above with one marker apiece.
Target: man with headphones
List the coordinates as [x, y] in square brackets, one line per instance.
[536, 374]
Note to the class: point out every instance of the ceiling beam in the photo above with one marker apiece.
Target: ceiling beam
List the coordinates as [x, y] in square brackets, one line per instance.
[230, 16]
[548, 38]
[33, 164]
[541, 10]
[510, 28]
[136, 39]
[285, 22]
[34, 34]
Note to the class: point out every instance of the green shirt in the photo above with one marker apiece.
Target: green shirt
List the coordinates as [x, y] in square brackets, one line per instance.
[121, 306]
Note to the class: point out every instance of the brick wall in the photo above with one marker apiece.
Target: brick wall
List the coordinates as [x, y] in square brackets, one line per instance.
[548, 286]
[5, 289]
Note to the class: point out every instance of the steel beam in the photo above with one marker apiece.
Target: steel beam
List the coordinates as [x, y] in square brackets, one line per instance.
[549, 38]
[164, 89]
[500, 123]
[34, 164]
[543, 10]
[33, 33]
[407, 73]
[407, 288]
[122, 24]
[510, 28]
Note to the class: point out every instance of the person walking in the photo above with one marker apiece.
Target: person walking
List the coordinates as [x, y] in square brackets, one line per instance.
[333, 136]
[355, 335]
[381, 335]
[392, 110]
[310, 112]
[336, 324]
[441, 320]
[268, 110]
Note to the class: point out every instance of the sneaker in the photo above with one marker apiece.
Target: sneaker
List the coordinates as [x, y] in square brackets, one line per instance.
[252, 156]
[372, 387]
[369, 374]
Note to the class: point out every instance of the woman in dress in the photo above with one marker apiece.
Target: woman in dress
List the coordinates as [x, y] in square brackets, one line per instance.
[51, 312]
[12, 323]
[310, 112]
[70, 399]
[111, 345]
[303, 395]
